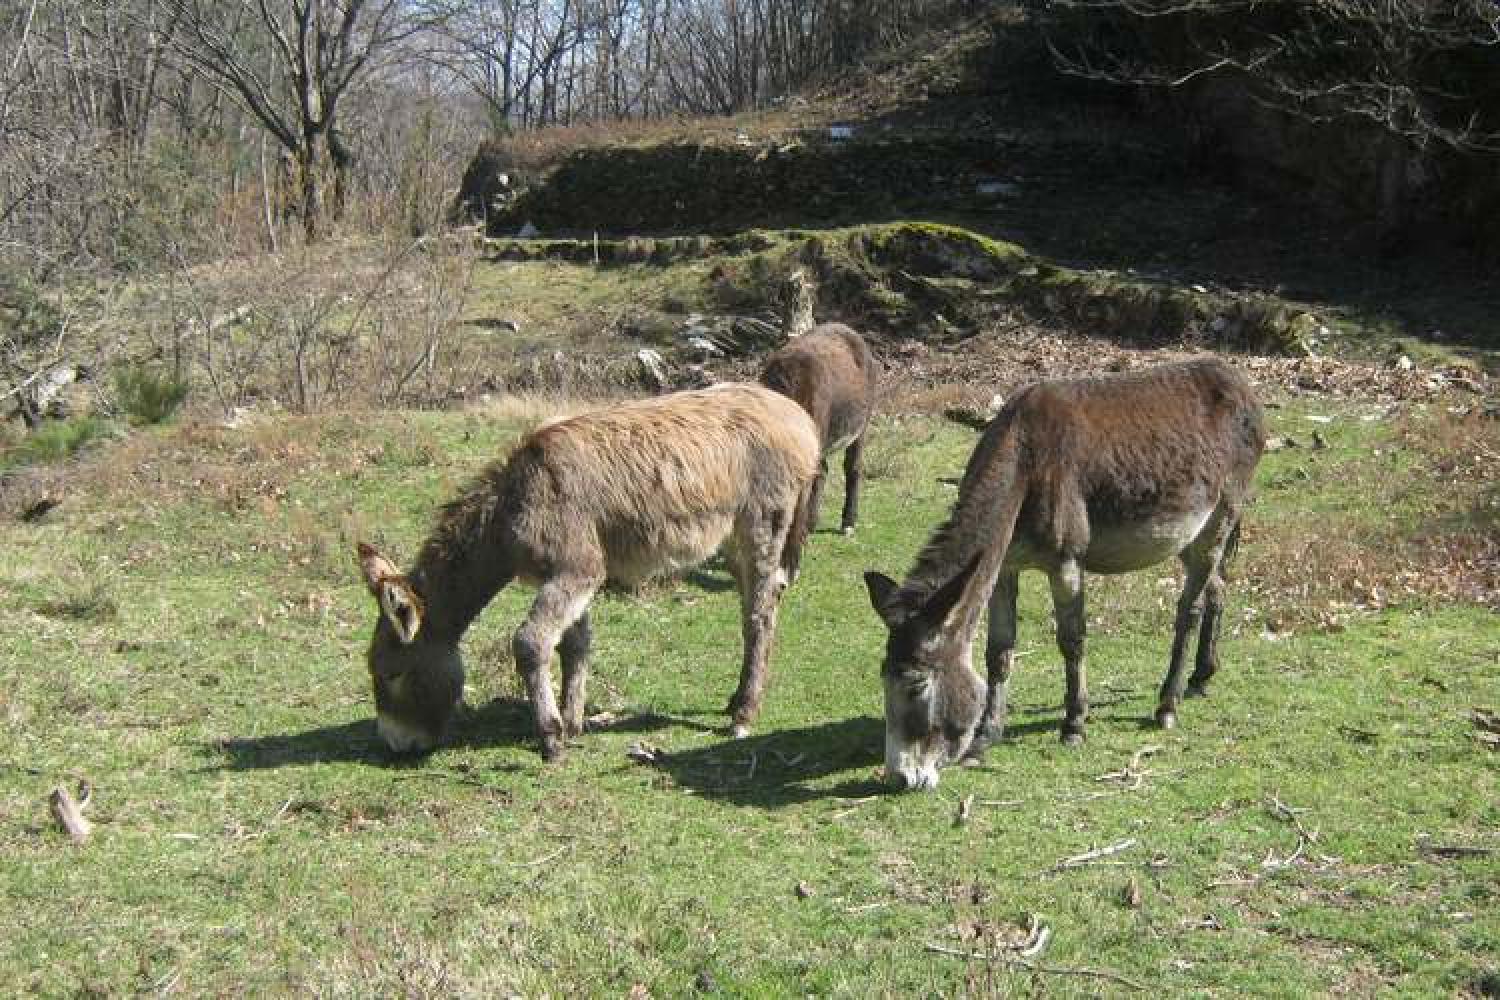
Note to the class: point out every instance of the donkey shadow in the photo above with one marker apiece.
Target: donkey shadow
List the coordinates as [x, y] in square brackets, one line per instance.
[787, 766]
[766, 771]
[501, 722]
[781, 767]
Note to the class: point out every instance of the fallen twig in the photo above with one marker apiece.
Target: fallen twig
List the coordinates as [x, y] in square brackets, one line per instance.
[1133, 769]
[865, 907]
[69, 812]
[1037, 967]
[965, 807]
[540, 861]
[1282, 811]
[1454, 850]
[1088, 857]
[854, 804]
[1037, 936]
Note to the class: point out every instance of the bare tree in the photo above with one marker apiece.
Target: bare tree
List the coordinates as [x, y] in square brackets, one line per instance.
[1420, 70]
[290, 64]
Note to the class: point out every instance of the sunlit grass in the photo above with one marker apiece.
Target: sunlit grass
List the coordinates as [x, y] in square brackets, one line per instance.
[186, 633]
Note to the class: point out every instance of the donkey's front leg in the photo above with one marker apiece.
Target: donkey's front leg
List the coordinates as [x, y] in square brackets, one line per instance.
[761, 579]
[1067, 606]
[574, 650]
[559, 603]
[999, 654]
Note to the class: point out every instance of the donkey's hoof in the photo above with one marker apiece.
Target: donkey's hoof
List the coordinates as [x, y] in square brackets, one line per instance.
[739, 731]
[1196, 690]
[1166, 718]
[1072, 739]
[847, 531]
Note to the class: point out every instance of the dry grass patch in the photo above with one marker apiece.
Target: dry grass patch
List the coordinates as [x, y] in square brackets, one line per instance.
[1408, 512]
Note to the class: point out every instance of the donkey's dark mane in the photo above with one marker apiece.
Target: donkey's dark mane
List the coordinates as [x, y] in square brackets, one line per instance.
[967, 533]
[456, 568]
[462, 522]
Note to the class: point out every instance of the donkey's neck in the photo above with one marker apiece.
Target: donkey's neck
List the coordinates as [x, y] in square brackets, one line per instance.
[978, 530]
[463, 565]
[948, 553]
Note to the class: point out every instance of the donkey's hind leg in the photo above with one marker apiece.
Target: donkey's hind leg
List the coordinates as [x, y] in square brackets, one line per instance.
[574, 649]
[854, 470]
[756, 557]
[559, 603]
[1200, 560]
[1207, 662]
[815, 494]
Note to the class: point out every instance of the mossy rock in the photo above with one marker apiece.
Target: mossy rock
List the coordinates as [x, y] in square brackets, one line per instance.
[669, 187]
[934, 250]
[926, 280]
[1135, 311]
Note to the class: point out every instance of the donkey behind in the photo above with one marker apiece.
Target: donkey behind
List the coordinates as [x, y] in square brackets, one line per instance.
[619, 494]
[1108, 475]
[832, 373]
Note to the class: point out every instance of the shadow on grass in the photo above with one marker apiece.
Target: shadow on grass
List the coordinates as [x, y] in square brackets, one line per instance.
[498, 723]
[791, 766]
[502, 722]
[784, 767]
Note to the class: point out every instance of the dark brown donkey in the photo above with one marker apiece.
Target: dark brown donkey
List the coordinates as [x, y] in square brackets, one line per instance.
[1107, 475]
[618, 494]
[832, 373]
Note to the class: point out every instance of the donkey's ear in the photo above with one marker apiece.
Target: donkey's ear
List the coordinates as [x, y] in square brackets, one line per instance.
[375, 567]
[399, 602]
[937, 607]
[401, 606]
[882, 598]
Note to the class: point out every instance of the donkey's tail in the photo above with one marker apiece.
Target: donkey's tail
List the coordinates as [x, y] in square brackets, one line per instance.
[796, 538]
[1231, 546]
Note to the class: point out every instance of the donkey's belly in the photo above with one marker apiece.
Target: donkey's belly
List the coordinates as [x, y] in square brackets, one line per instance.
[1121, 548]
[681, 545]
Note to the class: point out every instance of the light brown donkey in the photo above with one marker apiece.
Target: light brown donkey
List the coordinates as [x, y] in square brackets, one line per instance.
[832, 373]
[617, 494]
[1107, 475]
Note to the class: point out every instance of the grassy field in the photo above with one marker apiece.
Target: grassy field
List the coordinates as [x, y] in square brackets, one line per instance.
[185, 633]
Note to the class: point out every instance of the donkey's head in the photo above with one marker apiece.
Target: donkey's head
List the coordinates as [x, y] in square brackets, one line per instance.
[934, 702]
[418, 678]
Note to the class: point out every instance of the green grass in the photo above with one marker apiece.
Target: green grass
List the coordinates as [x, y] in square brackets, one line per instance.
[190, 641]
[54, 441]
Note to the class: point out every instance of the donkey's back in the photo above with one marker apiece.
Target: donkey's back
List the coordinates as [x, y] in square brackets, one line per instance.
[655, 485]
[831, 372]
[1123, 470]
